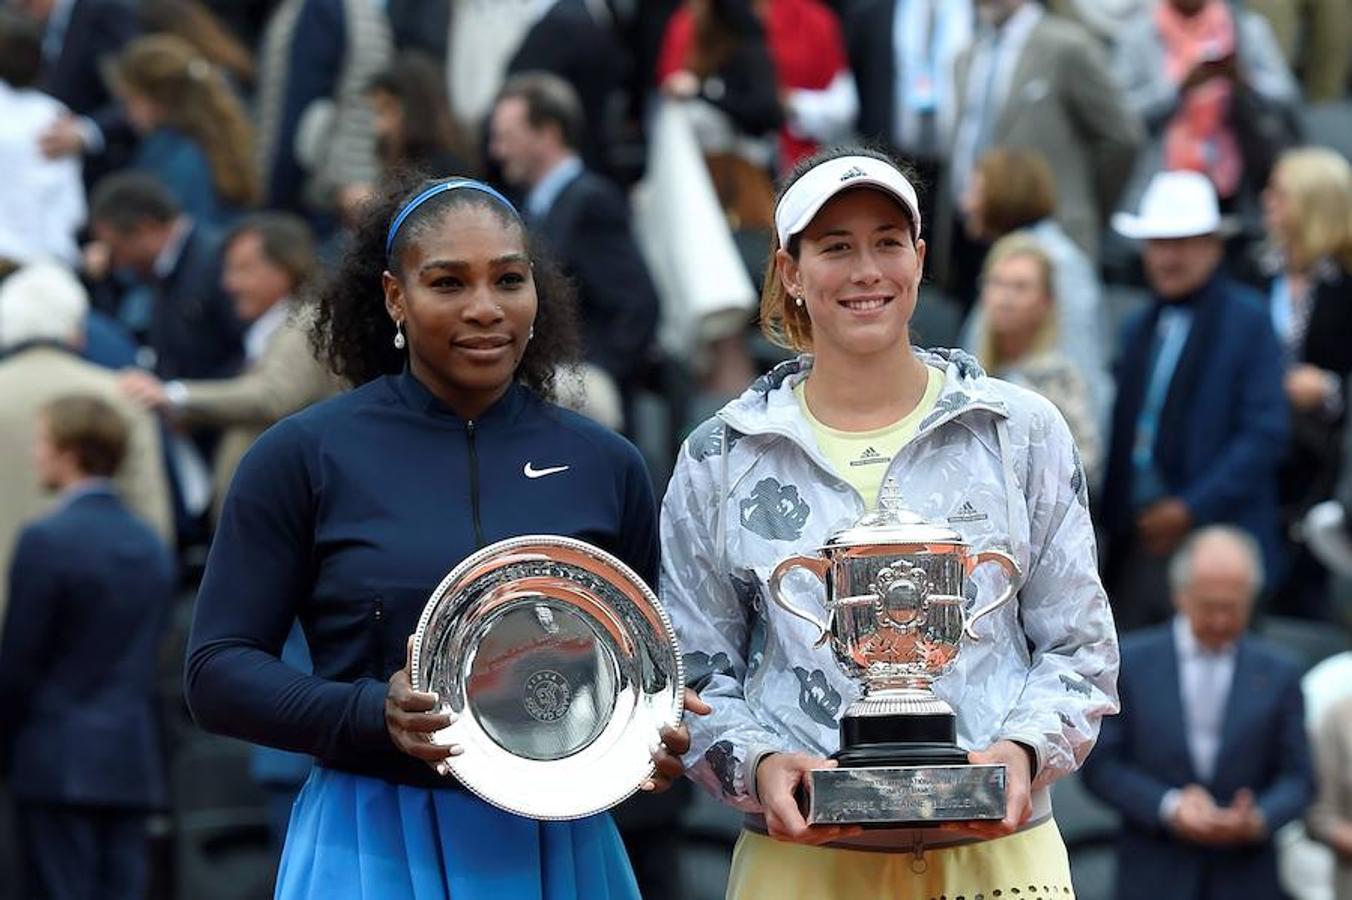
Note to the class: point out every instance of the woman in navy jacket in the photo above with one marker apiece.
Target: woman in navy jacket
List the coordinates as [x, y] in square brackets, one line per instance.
[347, 515]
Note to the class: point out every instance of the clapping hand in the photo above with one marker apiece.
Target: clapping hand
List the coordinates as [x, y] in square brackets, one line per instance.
[1224, 67]
[681, 85]
[62, 138]
[1198, 819]
[1162, 525]
[411, 719]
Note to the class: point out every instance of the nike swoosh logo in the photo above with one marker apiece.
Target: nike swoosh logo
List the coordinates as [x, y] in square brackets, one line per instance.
[532, 472]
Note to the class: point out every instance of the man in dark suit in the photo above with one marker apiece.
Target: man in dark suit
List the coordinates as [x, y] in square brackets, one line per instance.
[193, 329]
[536, 130]
[90, 590]
[569, 42]
[1037, 81]
[1199, 425]
[1209, 756]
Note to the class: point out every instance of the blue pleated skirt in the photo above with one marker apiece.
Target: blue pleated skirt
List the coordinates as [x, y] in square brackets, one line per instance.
[352, 836]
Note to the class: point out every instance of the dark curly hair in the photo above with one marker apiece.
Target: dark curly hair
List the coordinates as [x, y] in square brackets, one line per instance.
[352, 331]
[783, 323]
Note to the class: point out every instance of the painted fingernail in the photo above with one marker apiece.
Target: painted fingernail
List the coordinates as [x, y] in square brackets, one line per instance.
[456, 750]
[443, 769]
[648, 786]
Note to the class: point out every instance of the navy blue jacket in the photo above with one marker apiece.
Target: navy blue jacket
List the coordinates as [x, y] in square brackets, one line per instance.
[1223, 429]
[587, 228]
[98, 30]
[347, 516]
[90, 591]
[1143, 752]
[314, 64]
[193, 328]
[569, 42]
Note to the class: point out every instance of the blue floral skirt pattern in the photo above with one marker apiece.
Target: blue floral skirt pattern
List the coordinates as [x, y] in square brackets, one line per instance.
[352, 836]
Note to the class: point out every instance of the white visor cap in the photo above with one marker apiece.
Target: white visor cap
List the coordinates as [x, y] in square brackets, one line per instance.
[810, 192]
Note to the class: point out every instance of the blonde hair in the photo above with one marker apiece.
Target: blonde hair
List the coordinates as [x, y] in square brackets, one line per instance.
[196, 100]
[1011, 246]
[1318, 185]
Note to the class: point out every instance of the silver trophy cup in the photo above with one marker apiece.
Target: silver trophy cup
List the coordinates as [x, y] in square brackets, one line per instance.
[895, 620]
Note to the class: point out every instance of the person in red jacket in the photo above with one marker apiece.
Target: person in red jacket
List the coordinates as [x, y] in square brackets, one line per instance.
[812, 74]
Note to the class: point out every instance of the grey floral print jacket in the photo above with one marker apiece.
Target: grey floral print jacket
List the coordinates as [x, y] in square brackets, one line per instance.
[993, 461]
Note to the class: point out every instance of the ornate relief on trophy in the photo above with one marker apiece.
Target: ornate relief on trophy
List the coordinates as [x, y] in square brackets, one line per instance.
[895, 620]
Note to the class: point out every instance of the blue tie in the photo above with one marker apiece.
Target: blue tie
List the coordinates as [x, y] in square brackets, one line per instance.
[1171, 334]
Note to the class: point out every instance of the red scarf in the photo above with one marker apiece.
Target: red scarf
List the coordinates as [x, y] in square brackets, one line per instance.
[1199, 136]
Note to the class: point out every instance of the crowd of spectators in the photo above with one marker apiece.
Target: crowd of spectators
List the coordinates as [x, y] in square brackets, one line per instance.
[1141, 209]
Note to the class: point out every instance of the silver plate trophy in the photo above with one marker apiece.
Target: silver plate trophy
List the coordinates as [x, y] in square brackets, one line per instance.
[561, 667]
[896, 620]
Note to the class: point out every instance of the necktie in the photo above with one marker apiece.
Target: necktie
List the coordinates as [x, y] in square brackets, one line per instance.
[1207, 713]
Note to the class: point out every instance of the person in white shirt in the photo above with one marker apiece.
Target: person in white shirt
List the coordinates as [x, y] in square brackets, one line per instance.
[43, 203]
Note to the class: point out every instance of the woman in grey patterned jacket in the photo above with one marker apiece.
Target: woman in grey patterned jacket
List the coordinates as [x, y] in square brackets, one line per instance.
[764, 479]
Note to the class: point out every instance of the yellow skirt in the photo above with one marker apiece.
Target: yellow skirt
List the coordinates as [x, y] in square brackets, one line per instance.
[1029, 865]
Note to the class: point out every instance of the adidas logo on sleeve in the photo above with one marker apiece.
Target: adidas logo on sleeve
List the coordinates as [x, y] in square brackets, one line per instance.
[966, 512]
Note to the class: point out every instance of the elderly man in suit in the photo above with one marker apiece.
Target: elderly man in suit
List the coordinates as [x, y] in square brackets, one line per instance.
[1200, 421]
[536, 130]
[90, 590]
[268, 259]
[42, 314]
[1035, 80]
[1209, 756]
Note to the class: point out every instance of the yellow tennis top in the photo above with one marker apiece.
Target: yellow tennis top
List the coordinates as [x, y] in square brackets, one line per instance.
[862, 457]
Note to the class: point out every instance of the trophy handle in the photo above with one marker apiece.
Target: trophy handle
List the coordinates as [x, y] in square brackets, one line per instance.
[817, 565]
[1011, 569]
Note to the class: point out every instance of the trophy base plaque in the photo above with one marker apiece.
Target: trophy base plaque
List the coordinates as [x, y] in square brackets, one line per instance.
[900, 770]
[889, 796]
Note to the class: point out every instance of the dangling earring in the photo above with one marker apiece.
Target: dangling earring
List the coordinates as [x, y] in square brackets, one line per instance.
[399, 342]
[798, 300]
[530, 334]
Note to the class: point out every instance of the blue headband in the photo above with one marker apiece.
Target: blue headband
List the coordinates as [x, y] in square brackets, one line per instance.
[442, 188]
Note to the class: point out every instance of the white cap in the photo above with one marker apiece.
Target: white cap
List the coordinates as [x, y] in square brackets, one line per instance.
[820, 183]
[1176, 204]
[43, 301]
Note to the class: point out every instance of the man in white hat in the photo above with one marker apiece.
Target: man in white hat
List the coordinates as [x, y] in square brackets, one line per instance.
[1200, 421]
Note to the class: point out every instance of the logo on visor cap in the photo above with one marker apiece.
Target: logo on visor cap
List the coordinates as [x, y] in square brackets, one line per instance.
[853, 172]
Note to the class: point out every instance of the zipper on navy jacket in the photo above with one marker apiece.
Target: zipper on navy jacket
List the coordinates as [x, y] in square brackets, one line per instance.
[474, 485]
